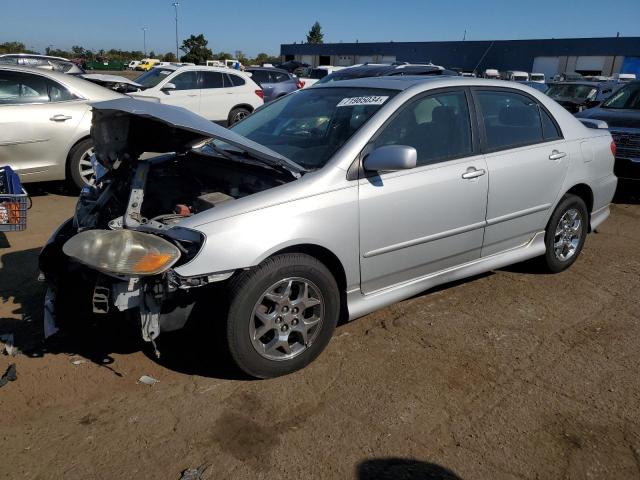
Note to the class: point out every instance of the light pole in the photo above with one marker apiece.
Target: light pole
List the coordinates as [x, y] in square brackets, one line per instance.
[176, 4]
[144, 36]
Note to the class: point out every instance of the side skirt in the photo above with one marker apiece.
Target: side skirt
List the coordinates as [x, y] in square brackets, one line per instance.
[360, 305]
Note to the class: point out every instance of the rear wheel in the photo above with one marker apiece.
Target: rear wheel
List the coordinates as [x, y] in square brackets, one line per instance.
[237, 114]
[566, 233]
[281, 315]
[80, 170]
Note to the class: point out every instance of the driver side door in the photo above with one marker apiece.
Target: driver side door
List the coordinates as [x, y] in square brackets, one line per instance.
[420, 221]
[187, 91]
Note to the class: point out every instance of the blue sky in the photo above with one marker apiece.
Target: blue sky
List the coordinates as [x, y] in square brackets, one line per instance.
[253, 26]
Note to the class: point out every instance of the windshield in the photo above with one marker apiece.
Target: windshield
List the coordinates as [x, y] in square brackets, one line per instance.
[153, 77]
[628, 97]
[572, 90]
[309, 126]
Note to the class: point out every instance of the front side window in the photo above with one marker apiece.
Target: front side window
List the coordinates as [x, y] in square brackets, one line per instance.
[186, 81]
[437, 126]
[309, 126]
[19, 88]
[510, 119]
[153, 77]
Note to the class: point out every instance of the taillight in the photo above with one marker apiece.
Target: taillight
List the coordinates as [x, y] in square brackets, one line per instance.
[300, 84]
[260, 93]
[613, 148]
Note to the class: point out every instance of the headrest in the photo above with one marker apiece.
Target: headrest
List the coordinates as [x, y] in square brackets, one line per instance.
[517, 116]
[444, 114]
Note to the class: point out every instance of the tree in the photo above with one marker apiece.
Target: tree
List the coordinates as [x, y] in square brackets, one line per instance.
[195, 49]
[78, 51]
[12, 47]
[242, 58]
[169, 57]
[315, 35]
[223, 56]
[152, 54]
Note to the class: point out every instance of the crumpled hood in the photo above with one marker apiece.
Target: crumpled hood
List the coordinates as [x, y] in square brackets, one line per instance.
[124, 128]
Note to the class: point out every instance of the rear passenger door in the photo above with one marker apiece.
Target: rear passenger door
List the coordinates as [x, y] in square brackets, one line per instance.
[213, 100]
[527, 160]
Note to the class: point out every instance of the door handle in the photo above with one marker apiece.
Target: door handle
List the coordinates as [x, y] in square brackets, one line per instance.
[60, 118]
[473, 172]
[192, 95]
[556, 155]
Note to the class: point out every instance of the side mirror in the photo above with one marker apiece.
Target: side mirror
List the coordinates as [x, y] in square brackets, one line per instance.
[167, 87]
[391, 157]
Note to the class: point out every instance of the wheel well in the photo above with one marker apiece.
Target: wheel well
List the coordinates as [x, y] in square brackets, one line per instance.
[585, 193]
[326, 256]
[243, 105]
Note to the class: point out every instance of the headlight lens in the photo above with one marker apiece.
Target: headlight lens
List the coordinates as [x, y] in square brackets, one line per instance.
[124, 252]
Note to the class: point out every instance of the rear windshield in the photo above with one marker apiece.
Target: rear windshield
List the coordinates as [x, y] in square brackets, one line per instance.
[572, 90]
[309, 126]
[628, 97]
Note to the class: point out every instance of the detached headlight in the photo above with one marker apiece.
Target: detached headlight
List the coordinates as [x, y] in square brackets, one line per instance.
[124, 252]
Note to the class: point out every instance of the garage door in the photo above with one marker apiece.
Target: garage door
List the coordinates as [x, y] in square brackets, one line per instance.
[344, 60]
[307, 59]
[365, 58]
[388, 58]
[547, 65]
[590, 64]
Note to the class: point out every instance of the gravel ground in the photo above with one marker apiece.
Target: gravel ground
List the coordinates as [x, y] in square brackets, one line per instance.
[513, 374]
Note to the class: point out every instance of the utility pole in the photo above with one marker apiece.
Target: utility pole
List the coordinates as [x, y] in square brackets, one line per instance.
[464, 37]
[176, 4]
[144, 33]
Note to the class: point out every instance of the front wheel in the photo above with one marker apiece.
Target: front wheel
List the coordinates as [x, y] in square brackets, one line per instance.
[282, 314]
[566, 233]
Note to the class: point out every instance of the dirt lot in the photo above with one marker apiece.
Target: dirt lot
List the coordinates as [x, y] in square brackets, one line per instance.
[515, 374]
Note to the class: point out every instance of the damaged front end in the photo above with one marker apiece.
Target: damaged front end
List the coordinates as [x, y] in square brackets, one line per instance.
[122, 250]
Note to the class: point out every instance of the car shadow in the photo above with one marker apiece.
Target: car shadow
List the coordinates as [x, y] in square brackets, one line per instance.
[393, 468]
[40, 189]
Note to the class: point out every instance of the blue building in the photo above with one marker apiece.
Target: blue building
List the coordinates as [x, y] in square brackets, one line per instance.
[589, 56]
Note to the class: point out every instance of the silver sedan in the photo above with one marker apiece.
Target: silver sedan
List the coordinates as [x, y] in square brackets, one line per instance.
[329, 203]
[44, 124]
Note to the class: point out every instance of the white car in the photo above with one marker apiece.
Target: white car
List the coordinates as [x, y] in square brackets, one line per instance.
[317, 73]
[537, 77]
[45, 118]
[133, 64]
[219, 94]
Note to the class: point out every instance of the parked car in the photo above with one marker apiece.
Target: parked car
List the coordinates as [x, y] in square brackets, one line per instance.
[217, 93]
[274, 82]
[45, 117]
[133, 64]
[114, 82]
[379, 70]
[292, 65]
[45, 62]
[624, 77]
[147, 64]
[491, 73]
[537, 77]
[578, 96]
[517, 76]
[328, 203]
[541, 87]
[620, 114]
[318, 73]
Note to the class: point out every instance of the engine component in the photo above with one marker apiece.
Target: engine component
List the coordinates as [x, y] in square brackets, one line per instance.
[210, 200]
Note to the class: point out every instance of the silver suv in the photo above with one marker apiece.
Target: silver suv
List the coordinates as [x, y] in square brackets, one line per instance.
[330, 202]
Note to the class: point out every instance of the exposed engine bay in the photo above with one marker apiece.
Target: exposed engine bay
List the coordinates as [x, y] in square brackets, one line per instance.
[119, 251]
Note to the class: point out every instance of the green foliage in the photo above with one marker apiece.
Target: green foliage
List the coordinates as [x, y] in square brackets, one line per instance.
[315, 35]
[169, 57]
[195, 49]
[222, 56]
[13, 47]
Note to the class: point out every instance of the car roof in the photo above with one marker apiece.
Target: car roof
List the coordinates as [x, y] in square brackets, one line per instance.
[197, 67]
[34, 55]
[590, 83]
[268, 69]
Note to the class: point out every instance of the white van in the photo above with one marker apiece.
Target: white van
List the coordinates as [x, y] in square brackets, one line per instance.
[517, 76]
[491, 73]
[624, 77]
[537, 77]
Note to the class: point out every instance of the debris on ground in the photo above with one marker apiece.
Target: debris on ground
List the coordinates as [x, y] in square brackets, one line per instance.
[9, 348]
[79, 361]
[193, 473]
[11, 375]
[147, 380]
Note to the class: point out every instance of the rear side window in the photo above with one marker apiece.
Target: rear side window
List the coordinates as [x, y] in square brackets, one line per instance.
[437, 126]
[212, 80]
[260, 76]
[279, 77]
[550, 130]
[233, 80]
[19, 88]
[510, 119]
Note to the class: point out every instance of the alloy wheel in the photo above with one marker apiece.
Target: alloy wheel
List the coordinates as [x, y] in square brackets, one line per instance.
[568, 235]
[87, 174]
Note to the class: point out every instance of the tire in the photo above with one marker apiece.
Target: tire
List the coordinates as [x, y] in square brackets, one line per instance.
[256, 346]
[237, 114]
[566, 233]
[79, 174]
